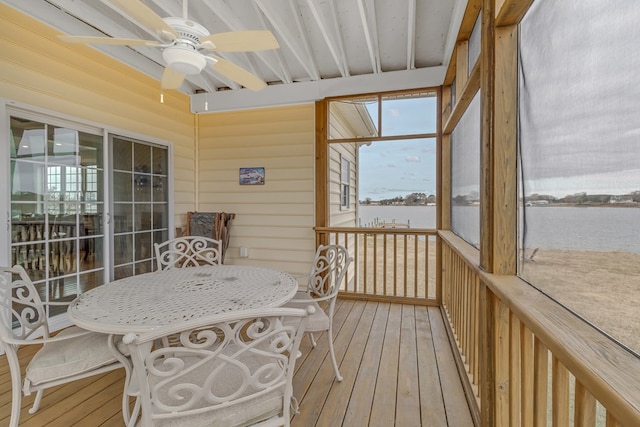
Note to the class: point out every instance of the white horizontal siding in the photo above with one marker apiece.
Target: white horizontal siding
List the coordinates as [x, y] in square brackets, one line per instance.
[275, 220]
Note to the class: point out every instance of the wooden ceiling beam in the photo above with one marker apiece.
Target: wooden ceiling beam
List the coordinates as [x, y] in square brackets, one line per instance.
[368, 18]
[411, 35]
[326, 35]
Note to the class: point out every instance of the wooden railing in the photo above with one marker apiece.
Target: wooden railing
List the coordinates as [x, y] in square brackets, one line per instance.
[529, 361]
[388, 263]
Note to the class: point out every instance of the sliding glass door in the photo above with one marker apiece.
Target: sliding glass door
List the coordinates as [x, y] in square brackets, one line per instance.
[84, 208]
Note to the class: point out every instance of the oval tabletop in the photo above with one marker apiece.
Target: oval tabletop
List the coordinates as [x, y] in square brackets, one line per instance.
[143, 302]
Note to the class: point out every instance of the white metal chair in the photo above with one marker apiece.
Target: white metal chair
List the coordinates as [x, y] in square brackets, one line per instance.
[327, 273]
[71, 355]
[230, 370]
[188, 251]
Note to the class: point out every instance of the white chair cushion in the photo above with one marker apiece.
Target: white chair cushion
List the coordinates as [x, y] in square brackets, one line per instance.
[237, 416]
[57, 360]
[318, 321]
[233, 415]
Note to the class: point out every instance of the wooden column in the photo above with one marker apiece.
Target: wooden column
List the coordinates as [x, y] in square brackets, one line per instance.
[498, 188]
[443, 183]
[487, 94]
[498, 181]
[322, 166]
[503, 152]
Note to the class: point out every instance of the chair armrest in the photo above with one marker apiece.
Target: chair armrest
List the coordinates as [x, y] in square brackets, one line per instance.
[309, 299]
[55, 338]
[56, 303]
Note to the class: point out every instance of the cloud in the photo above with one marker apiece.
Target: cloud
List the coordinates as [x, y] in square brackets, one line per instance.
[394, 112]
[412, 159]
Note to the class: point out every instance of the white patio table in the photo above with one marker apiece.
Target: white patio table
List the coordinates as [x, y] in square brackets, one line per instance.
[143, 302]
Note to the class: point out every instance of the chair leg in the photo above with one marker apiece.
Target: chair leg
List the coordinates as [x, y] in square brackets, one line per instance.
[16, 387]
[333, 354]
[313, 340]
[36, 402]
[133, 418]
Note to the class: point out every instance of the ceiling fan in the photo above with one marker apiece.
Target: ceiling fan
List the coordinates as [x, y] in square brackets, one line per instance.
[187, 46]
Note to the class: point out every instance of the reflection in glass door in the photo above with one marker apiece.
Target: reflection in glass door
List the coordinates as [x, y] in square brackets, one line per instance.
[57, 204]
[140, 207]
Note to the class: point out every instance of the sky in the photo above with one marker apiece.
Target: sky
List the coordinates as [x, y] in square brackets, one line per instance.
[397, 168]
[388, 169]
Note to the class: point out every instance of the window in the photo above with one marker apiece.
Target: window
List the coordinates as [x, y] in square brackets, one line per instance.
[390, 140]
[345, 185]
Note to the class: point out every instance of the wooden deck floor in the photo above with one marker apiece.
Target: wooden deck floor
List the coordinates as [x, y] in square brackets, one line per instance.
[397, 365]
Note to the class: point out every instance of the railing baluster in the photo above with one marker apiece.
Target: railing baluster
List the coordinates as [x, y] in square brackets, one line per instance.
[375, 264]
[585, 407]
[385, 264]
[366, 260]
[560, 393]
[540, 383]
[415, 266]
[358, 260]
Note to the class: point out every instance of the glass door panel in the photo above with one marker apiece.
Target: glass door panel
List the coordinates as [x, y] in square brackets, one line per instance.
[140, 207]
[56, 208]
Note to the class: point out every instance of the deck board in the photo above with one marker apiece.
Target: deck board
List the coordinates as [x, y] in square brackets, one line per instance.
[397, 365]
[349, 369]
[384, 398]
[454, 399]
[408, 392]
[361, 401]
[431, 399]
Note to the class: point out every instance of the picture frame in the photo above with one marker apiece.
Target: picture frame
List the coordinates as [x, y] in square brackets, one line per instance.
[252, 176]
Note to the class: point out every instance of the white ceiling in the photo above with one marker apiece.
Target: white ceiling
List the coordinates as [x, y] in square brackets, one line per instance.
[327, 47]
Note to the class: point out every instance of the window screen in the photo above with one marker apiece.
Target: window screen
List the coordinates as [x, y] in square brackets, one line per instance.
[465, 175]
[475, 42]
[580, 159]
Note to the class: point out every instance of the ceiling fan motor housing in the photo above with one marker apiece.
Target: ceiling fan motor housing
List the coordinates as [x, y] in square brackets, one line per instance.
[183, 55]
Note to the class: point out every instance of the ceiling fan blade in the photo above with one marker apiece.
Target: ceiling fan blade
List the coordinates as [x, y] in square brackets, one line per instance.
[238, 74]
[242, 41]
[108, 41]
[171, 79]
[147, 18]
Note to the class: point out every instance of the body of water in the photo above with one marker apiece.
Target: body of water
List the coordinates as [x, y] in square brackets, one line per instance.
[545, 227]
[416, 216]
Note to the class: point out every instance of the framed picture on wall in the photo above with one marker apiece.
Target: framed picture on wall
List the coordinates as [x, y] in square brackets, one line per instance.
[251, 176]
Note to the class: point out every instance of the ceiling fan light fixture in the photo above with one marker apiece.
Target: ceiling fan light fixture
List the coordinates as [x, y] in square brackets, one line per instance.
[184, 59]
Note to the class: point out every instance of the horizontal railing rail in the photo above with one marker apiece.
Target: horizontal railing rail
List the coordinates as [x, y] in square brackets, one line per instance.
[529, 361]
[389, 263]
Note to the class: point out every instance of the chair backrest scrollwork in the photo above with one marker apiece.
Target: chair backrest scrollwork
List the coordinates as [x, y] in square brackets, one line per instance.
[23, 312]
[328, 271]
[236, 368]
[188, 251]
